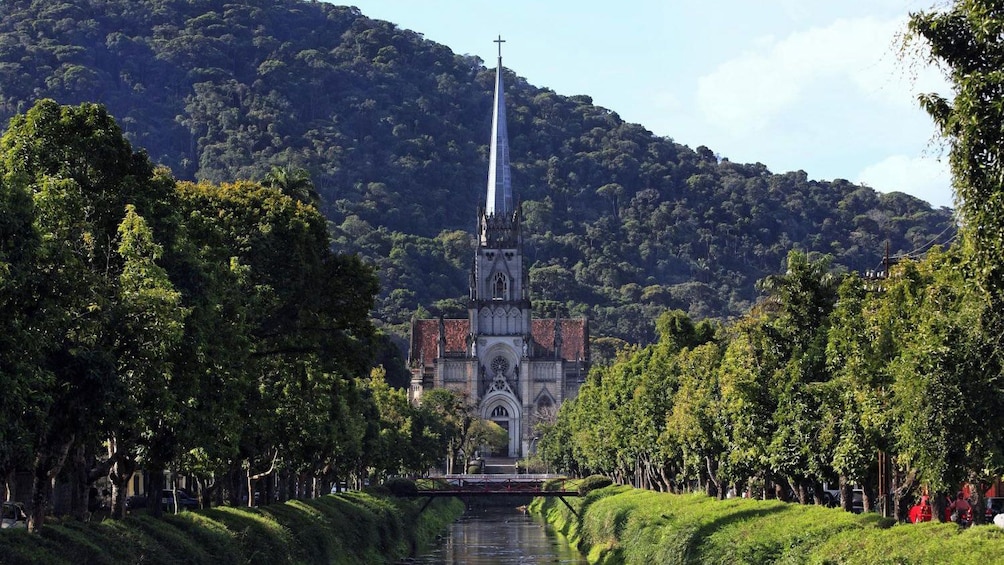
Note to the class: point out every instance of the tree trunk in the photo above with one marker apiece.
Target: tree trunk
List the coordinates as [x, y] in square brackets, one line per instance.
[803, 491]
[846, 494]
[253, 478]
[902, 483]
[156, 484]
[79, 500]
[817, 492]
[235, 487]
[938, 507]
[867, 499]
[48, 463]
[9, 484]
[780, 492]
[665, 480]
[980, 503]
[118, 500]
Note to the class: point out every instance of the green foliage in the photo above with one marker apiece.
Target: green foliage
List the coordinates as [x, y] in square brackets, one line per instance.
[963, 39]
[401, 487]
[958, 362]
[593, 482]
[208, 330]
[807, 387]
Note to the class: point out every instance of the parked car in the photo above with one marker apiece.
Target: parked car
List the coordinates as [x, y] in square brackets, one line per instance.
[12, 515]
[185, 501]
[995, 506]
[831, 497]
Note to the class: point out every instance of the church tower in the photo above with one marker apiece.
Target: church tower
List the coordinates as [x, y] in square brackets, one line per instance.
[499, 308]
[513, 368]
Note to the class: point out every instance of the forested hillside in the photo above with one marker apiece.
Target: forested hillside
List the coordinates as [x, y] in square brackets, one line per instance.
[393, 129]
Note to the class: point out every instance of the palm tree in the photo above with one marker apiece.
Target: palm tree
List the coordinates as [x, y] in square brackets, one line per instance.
[293, 182]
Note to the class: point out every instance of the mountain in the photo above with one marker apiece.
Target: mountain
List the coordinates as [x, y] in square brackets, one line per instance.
[619, 223]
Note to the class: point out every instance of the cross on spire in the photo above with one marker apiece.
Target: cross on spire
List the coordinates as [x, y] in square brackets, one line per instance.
[500, 41]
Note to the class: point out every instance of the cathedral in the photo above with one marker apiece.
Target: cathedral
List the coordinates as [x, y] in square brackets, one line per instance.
[512, 367]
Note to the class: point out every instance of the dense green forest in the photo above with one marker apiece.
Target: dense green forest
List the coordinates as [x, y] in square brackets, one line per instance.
[620, 224]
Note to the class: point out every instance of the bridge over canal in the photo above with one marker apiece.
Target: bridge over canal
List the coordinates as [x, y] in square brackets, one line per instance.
[495, 485]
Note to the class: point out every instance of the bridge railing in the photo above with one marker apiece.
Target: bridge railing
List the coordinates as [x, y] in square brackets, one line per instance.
[530, 483]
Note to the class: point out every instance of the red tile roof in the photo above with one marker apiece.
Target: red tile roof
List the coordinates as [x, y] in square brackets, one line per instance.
[425, 338]
[574, 337]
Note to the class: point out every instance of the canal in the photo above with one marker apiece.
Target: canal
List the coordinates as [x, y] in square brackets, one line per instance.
[498, 536]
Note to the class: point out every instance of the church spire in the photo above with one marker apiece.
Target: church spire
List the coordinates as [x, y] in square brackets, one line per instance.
[499, 199]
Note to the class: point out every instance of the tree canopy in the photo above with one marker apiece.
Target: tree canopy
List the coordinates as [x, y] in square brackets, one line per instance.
[178, 327]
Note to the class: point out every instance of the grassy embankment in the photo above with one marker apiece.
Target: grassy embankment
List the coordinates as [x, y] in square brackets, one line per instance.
[624, 525]
[346, 529]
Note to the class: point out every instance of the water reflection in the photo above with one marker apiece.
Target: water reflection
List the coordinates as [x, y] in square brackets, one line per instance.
[498, 536]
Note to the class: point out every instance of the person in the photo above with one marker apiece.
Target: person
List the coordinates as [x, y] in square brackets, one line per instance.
[921, 512]
[962, 510]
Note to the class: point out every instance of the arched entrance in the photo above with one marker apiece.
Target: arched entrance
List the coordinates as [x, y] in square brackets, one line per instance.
[501, 407]
[500, 415]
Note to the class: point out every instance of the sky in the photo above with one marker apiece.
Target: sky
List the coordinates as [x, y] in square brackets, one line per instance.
[812, 85]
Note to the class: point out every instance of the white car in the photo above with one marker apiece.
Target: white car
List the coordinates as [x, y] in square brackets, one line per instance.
[13, 516]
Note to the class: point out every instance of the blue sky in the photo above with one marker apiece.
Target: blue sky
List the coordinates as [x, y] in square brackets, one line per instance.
[793, 84]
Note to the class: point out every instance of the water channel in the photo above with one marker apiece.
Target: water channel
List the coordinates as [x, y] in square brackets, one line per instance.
[498, 536]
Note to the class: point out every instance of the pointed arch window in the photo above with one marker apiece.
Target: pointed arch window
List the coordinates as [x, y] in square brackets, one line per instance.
[500, 412]
[500, 287]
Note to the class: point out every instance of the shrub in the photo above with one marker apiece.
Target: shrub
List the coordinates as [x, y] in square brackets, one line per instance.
[400, 486]
[380, 491]
[531, 465]
[593, 482]
[553, 484]
[474, 469]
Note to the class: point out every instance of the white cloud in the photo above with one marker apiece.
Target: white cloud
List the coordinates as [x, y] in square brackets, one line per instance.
[925, 178]
[855, 56]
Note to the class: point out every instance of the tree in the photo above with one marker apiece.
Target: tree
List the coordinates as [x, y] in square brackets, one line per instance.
[801, 299]
[966, 40]
[696, 423]
[149, 323]
[454, 415]
[82, 174]
[857, 404]
[947, 379]
[295, 183]
[21, 334]
[302, 326]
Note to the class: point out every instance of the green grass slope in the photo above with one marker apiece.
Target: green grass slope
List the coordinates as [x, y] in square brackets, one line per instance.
[623, 525]
[346, 529]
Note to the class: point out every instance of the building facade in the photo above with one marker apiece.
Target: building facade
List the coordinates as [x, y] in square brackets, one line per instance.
[512, 367]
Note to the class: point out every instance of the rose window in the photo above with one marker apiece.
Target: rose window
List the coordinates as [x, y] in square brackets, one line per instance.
[500, 365]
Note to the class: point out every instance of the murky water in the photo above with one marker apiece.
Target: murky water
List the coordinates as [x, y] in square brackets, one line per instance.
[498, 536]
